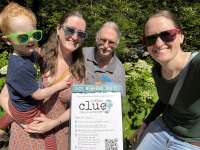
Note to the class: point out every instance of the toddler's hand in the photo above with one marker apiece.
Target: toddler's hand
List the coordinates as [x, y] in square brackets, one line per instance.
[65, 83]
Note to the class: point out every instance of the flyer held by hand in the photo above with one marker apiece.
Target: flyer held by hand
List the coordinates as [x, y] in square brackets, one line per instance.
[96, 117]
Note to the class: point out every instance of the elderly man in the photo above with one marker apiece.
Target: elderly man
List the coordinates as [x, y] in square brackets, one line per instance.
[102, 65]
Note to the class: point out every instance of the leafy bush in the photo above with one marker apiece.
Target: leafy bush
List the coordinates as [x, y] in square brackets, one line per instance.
[141, 95]
[3, 71]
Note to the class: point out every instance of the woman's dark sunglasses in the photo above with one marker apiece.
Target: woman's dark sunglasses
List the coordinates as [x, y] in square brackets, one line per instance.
[166, 36]
[69, 31]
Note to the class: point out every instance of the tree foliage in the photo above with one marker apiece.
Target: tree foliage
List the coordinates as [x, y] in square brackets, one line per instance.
[130, 16]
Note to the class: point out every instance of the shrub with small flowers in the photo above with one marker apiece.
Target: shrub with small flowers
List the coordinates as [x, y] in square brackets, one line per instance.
[141, 95]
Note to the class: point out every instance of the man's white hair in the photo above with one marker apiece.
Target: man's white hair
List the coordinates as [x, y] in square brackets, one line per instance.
[112, 25]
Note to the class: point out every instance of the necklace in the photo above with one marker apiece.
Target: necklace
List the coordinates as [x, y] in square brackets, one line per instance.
[64, 75]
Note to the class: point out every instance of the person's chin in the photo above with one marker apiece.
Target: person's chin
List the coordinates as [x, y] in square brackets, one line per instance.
[72, 46]
[162, 59]
[31, 50]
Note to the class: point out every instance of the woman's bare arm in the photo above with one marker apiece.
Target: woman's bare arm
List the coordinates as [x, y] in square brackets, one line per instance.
[43, 124]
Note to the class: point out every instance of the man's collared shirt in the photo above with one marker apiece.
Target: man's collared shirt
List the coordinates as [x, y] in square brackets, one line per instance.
[112, 73]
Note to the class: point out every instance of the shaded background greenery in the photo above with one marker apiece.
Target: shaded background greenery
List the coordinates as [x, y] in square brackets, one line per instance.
[130, 15]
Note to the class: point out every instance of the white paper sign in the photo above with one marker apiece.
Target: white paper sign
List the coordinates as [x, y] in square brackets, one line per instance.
[96, 118]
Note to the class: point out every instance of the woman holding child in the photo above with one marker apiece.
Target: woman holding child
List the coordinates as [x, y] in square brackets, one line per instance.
[63, 58]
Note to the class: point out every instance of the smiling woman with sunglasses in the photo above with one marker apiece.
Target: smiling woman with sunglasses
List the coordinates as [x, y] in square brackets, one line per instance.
[175, 126]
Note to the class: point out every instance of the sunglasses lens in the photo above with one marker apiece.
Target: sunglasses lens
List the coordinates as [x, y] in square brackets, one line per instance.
[82, 35]
[69, 31]
[23, 38]
[37, 35]
[167, 36]
[150, 40]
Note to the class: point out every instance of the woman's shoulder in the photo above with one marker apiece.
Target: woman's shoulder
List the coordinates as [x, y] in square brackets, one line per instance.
[195, 58]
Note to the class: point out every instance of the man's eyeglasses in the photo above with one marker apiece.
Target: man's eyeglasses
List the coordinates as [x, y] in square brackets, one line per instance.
[110, 43]
[69, 31]
[23, 38]
[166, 36]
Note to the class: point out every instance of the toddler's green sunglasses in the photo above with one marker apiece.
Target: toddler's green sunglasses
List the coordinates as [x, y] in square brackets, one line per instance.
[23, 38]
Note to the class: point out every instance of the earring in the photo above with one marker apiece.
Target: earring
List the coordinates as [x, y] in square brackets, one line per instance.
[57, 37]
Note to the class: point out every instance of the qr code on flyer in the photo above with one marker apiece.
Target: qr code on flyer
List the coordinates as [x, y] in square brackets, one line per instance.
[111, 144]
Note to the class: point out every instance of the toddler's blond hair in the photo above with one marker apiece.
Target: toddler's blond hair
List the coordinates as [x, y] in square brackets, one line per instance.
[14, 10]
